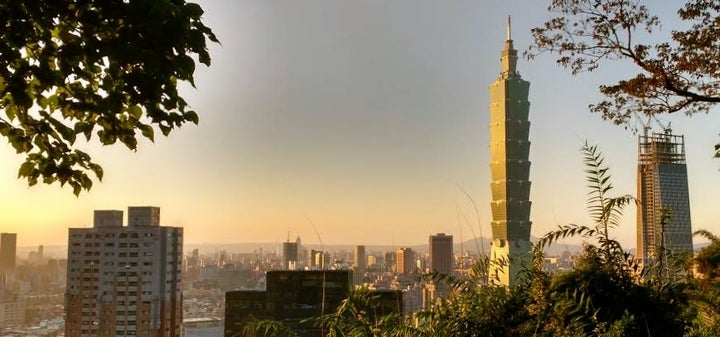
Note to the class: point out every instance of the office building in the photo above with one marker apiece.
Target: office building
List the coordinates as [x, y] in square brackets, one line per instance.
[293, 296]
[290, 255]
[663, 193]
[360, 259]
[441, 253]
[8, 252]
[405, 261]
[510, 169]
[124, 280]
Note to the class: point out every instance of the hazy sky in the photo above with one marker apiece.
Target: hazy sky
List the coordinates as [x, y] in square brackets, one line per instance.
[361, 117]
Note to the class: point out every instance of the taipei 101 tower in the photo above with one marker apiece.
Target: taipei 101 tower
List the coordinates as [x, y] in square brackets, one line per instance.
[510, 169]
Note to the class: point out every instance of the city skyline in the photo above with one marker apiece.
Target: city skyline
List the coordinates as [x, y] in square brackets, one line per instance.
[358, 121]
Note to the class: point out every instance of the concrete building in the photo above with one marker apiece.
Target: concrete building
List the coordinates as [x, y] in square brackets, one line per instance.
[510, 168]
[8, 252]
[441, 253]
[405, 261]
[663, 218]
[12, 310]
[124, 280]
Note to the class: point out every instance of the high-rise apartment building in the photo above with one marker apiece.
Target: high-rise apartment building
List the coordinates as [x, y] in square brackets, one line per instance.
[405, 261]
[663, 218]
[8, 252]
[124, 280]
[441, 253]
[510, 168]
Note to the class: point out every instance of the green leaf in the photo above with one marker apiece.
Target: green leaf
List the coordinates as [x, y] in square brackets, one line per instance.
[135, 111]
[147, 131]
[193, 10]
[26, 169]
[97, 169]
[192, 116]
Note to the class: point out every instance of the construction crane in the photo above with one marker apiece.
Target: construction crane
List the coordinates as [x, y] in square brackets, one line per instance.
[667, 129]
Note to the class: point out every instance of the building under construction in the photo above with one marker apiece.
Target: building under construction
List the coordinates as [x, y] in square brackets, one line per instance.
[663, 218]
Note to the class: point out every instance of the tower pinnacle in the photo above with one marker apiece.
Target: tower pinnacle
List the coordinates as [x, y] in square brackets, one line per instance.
[509, 30]
[508, 57]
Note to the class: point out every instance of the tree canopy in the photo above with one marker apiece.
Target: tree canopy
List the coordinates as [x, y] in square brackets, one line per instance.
[681, 74]
[108, 69]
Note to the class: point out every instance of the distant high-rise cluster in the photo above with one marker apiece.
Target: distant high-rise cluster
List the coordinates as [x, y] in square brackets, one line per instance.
[124, 280]
[441, 253]
[510, 168]
[663, 219]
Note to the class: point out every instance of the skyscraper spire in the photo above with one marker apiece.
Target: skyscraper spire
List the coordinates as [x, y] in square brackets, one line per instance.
[509, 30]
[508, 57]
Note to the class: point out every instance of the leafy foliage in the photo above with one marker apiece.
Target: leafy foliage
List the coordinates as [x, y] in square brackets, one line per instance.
[682, 74]
[360, 316]
[708, 260]
[266, 328]
[105, 68]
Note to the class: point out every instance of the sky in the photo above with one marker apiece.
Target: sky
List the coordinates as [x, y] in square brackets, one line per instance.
[360, 122]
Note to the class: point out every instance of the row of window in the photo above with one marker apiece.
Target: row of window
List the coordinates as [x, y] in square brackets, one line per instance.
[133, 235]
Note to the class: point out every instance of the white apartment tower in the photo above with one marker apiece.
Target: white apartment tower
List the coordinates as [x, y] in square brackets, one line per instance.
[124, 280]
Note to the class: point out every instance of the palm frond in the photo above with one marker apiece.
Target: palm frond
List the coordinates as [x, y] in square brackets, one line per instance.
[707, 234]
[614, 207]
[597, 178]
[564, 231]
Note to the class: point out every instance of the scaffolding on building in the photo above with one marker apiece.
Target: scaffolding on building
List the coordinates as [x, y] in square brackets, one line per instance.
[654, 150]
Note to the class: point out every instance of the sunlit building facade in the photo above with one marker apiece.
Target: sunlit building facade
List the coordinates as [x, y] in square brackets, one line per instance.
[405, 261]
[510, 168]
[8, 252]
[124, 280]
